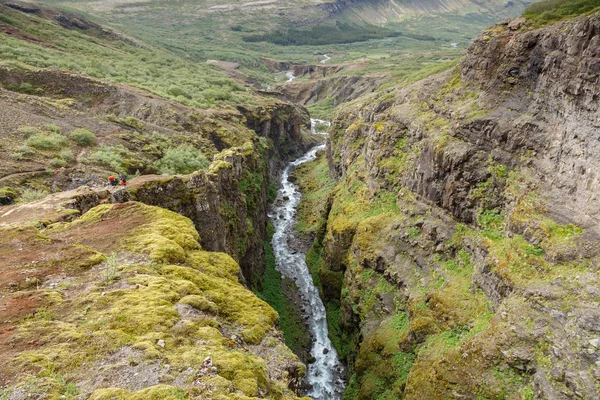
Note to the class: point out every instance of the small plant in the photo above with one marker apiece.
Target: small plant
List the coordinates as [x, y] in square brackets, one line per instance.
[53, 128]
[111, 271]
[46, 142]
[28, 131]
[21, 152]
[83, 137]
[58, 163]
[30, 195]
[67, 155]
[182, 159]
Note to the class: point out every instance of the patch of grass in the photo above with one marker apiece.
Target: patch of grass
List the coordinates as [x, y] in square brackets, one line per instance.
[67, 155]
[111, 270]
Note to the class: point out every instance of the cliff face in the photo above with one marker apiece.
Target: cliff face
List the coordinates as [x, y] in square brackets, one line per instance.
[461, 239]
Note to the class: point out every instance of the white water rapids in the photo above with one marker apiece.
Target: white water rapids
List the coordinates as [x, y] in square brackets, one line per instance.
[326, 375]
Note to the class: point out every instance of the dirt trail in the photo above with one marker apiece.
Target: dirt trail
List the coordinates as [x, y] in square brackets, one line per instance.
[24, 173]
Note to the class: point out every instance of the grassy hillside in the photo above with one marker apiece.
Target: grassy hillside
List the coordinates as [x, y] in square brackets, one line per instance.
[205, 30]
[39, 39]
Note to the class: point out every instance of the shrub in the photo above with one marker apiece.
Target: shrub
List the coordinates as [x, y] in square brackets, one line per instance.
[53, 128]
[58, 163]
[176, 91]
[182, 159]
[83, 137]
[53, 141]
[30, 195]
[111, 157]
[22, 152]
[28, 131]
[67, 155]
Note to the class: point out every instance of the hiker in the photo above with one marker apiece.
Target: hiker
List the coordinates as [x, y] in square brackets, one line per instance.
[112, 181]
[123, 179]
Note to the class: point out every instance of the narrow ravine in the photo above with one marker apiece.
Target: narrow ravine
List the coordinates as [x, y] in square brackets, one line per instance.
[325, 375]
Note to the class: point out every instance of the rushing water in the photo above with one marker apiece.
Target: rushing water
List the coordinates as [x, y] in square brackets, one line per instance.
[325, 375]
[290, 76]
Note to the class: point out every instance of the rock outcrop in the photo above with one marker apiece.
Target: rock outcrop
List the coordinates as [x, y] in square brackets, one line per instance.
[461, 240]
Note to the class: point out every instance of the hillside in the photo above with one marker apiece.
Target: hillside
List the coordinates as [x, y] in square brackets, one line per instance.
[457, 248]
[208, 30]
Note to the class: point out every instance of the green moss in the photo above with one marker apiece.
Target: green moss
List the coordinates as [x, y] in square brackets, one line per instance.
[7, 195]
[138, 309]
[159, 392]
[167, 238]
[200, 303]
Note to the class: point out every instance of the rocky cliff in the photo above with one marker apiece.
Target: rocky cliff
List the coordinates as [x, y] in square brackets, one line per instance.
[145, 291]
[460, 241]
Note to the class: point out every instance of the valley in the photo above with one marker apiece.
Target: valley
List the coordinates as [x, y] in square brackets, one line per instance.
[324, 199]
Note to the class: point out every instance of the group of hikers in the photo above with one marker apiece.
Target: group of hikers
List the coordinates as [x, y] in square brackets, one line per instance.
[112, 181]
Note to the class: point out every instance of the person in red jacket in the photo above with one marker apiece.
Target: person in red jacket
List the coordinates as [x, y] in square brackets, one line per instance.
[112, 181]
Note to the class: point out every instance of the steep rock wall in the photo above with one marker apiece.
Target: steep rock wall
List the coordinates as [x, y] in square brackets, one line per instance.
[465, 224]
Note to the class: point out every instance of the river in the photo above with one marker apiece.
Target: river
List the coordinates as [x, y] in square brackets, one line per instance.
[326, 375]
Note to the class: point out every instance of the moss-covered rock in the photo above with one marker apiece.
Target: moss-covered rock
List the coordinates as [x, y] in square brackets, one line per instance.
[126, 318]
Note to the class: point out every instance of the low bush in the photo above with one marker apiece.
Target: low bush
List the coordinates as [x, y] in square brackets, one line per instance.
[30, 195]
[111, 157]
[83, 137]
[67, 155]
[58, 163]
[182, 159]
[21, 152]
[53, 141]
[53, 128]
[28, 131]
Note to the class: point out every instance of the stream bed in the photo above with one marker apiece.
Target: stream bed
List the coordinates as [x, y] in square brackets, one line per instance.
[325, 375]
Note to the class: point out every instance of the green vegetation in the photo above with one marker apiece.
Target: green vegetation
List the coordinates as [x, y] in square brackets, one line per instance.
[83, 137]
[153, 69]
[7, 195]
[182, 159]
[112, 157]
[546, 12]
[28, 131]
[31, 195]
[44, 141]
[325, 34]
[290, 322]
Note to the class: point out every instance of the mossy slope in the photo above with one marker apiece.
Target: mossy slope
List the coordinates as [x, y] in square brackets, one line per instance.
[155, 308]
